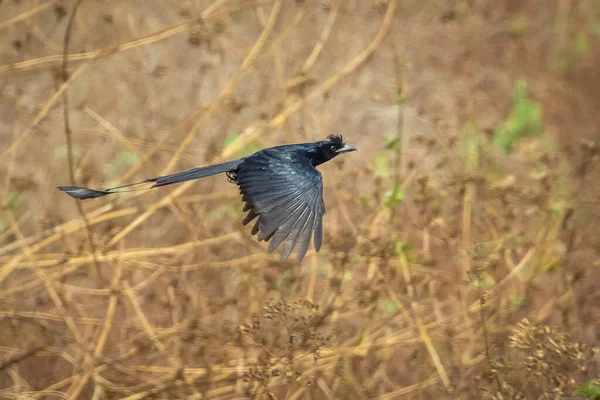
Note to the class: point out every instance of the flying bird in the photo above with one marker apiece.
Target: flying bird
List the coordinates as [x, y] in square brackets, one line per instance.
[280, 186]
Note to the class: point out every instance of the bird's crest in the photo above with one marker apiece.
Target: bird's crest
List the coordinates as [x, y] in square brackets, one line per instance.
[338, 140]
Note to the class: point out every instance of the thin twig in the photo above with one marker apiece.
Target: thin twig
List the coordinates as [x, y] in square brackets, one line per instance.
[26, 14]
[68, 134]
[254, 131]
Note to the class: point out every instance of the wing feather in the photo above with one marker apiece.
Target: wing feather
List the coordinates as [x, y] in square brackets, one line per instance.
[273, 218]
[305, 237]
[282, 235]
[285, 192]
[318, 235]
[295, 231]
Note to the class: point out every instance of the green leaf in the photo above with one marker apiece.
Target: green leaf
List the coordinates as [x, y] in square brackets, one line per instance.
[323, 269]
[127, 158]
[471, 144]
[388, 306]
[590, 390]
[14, 198]
[122, 161]
[525, 119]
[222, 212]
[394, 197]
[230, 137]
[250, 148]
[391, 143]
[517, 301]
[475, 282]
[400, 97]
[557, 209]
[401, 247]
[580, 45]
[516, 26]
[382, 166]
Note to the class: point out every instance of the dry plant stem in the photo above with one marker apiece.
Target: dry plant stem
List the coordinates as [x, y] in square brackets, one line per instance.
[62, 311]
[26, 66]
[230, 86]
[96, 370]
[26, 14]
[154, 148]
[179, 368]
[115, 133]
[208, 13]
[212, 106]
[9, 172]
[39, 33]
[63, 88]
[435, 358]
[225, 92]
[172, 206]
[112, 306]
[23, 218]
[482, 301]
[349, 368]
[21, 357]
[56, 261]
[466, 224]
[73, 226]
[400, 88]
[137, 255]
[166, 201]
[343, 210]
[110, 312]
[146, 324]
[97, 271]
[349, 68]
[329, 361]
[69, 228]
[43, 112]
[324, 36]
[189, 155]
[474, 307]
[308, 64]
[409, 389]
[253, 132]
[99, 215]
[310, 291]
[467, 208]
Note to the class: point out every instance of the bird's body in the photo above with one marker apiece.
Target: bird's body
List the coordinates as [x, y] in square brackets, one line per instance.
[280, 186]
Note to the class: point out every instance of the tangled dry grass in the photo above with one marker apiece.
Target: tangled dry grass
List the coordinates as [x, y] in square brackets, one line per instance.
[461, 255]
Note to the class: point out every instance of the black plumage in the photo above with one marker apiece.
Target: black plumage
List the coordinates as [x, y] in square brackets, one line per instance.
[281, 188]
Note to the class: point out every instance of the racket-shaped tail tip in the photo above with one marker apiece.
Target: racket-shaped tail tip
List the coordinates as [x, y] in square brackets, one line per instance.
[81, 193]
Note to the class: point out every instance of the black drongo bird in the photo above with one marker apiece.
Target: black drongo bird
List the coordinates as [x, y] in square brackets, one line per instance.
[279, 185]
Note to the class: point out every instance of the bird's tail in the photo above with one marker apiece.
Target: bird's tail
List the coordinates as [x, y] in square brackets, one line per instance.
[195, 173]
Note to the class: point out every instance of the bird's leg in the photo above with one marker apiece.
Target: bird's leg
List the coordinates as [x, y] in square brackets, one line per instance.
[232, 177]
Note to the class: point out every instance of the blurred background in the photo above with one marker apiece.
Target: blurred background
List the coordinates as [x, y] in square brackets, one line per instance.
[461, 253]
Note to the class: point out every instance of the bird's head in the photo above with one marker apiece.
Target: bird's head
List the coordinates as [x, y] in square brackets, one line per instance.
[326, 150]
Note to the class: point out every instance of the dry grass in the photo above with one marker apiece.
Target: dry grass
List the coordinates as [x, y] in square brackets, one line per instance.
[450, 269]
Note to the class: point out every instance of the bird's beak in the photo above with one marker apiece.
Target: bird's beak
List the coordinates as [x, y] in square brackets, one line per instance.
[347, 148]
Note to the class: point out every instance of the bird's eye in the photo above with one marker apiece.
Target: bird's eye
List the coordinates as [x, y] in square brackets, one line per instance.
[333, 147]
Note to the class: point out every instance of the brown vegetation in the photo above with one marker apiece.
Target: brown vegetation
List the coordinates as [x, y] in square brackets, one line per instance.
[461, 255]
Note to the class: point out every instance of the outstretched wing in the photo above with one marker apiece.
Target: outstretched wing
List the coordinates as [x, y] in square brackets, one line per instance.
[285, 192]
